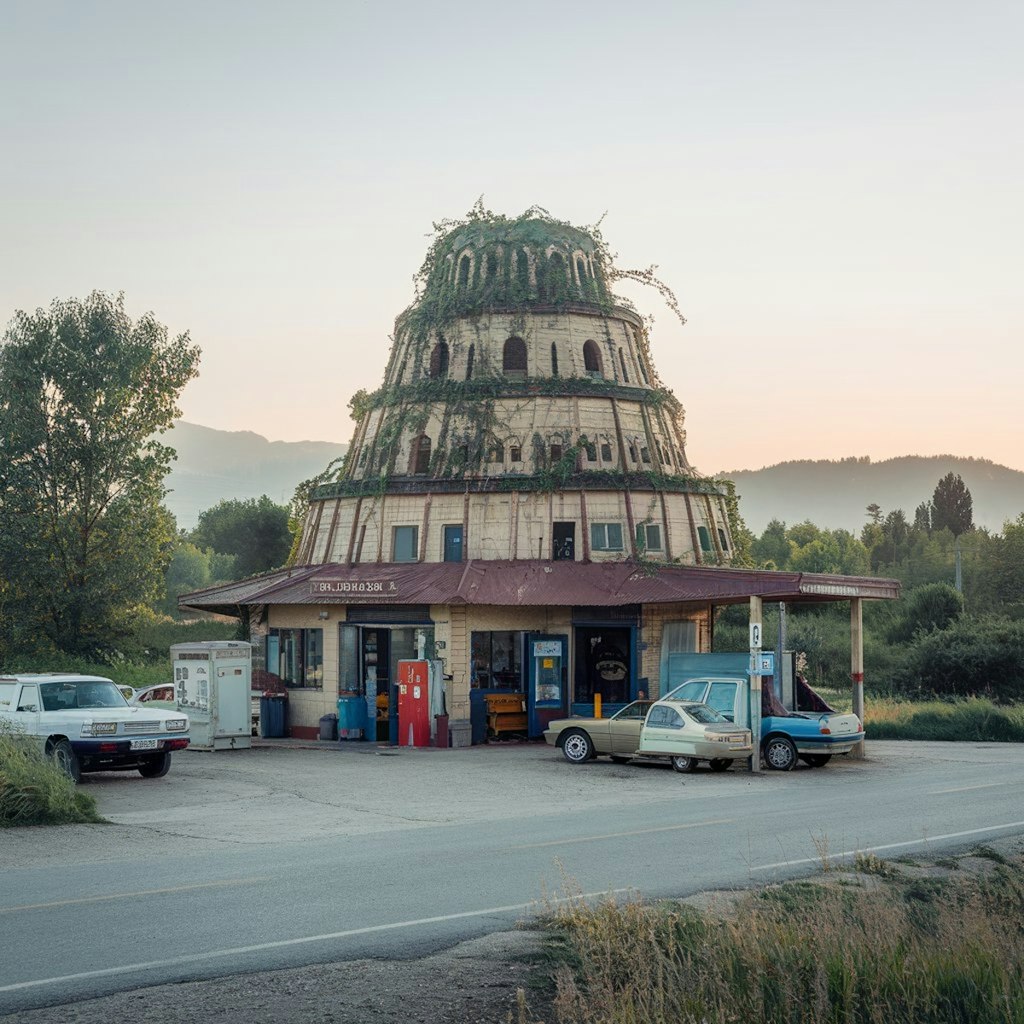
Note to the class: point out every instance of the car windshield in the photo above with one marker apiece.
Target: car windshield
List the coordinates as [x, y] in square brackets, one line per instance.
[92, 693]
[638, 710]
[704, 714]
[692, 690]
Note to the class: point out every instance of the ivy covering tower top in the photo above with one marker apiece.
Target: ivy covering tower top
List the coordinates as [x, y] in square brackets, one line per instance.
[517, 371]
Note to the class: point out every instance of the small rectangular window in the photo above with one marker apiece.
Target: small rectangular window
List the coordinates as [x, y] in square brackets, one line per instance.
[705, 539]
[721, 537]
[645, 455]
[406, 544]
[606, 452]
[556, 453]
[591, 452]
[515, 453]
[648, 537]
[453, 544]
[606, 536]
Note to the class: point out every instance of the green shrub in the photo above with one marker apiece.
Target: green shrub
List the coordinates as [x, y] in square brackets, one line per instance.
[34, 791]
[983, 656]
[933, 606]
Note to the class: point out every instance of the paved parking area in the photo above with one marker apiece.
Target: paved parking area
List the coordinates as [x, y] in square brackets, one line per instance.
[292, 791]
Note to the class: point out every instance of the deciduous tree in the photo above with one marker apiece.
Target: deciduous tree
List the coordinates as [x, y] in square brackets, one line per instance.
[84, 394]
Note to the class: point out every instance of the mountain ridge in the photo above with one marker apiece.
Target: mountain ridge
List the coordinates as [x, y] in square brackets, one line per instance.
[834, 493]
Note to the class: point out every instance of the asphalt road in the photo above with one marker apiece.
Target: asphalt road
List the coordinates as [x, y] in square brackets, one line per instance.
[246, 861]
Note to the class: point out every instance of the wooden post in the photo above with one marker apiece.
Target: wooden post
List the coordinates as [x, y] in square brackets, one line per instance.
[857, 664]
[755, 681]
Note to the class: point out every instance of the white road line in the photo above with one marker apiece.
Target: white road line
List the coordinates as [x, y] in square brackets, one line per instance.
[620, 835]
[304, 940]
[965, 789]
[132, 895]
[889, 846]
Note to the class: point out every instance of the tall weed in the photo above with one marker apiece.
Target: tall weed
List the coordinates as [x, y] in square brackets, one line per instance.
[945, 955]
[33, 790]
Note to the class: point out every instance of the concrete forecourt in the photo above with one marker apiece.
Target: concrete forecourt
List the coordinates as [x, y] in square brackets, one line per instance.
[288, 855]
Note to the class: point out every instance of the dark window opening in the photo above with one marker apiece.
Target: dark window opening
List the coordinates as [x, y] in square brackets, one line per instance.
[632, 451]
[496, 453]
[496, 661]
[515, 453]
[591, 451]
[563, 542]
[469, 362]
[523, 271]
[421, 455]
[465, 263]
[581, 270]
[645, 455]
[296, 656]
[453, 543]
[554, 360]
[513, 360]
[606, 451]
[592, 359]
[556, 453]
[721, 537]
[439, 360]
[491, 266]
[705, 539]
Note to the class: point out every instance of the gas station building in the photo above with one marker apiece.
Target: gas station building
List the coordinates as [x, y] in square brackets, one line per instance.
[516, 506]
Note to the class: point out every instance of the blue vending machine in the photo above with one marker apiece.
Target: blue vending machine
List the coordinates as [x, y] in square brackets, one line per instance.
[547, 681]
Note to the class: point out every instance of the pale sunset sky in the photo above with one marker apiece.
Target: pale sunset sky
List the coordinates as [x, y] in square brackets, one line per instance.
[834, 191]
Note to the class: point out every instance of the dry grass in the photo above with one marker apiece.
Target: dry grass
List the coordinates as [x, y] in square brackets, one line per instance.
[903, 951]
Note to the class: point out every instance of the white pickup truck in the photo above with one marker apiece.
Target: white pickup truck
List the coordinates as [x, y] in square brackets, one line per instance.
[85, 724]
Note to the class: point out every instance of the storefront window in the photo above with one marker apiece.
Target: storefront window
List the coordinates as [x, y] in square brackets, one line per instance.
[497, 661]
[297, 656]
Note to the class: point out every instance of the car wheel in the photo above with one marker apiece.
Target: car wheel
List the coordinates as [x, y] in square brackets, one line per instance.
[684, 764]
[816, 760]
[156, 767]
[719, 764]
[779, 753]
[577, 747]
[621, 759]
[66, 760]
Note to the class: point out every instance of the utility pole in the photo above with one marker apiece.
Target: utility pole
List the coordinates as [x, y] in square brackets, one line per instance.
[756, 608]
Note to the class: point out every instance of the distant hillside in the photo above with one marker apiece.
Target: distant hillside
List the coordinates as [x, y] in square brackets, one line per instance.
[835, 494]
[217, 464]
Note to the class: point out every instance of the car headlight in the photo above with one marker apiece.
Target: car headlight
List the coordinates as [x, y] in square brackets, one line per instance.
[176, 724]
[99, 728]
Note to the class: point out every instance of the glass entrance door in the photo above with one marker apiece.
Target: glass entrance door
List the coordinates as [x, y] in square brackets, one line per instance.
[547, 657]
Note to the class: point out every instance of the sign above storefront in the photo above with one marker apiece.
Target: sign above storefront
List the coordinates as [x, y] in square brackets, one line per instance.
[354, 588]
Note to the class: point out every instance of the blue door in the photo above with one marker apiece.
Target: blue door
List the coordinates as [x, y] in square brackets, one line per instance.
[547, 659]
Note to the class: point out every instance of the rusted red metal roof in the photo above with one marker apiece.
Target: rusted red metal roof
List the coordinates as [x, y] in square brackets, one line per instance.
[534, 583]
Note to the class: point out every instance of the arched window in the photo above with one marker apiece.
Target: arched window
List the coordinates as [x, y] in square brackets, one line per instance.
[622, 363]
[419, 460]
[469, 362]
[592, 359]
[522, 272]
[439, 360]
[491, 266]
[581, 270]
[513, 360]
[553, 286]
[465, 269]
[554, 360]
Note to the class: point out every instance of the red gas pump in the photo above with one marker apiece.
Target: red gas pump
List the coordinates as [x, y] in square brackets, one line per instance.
[413, 704]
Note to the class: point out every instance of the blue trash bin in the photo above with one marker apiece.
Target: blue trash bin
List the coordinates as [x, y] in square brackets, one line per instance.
[351, 718]
[272, 716]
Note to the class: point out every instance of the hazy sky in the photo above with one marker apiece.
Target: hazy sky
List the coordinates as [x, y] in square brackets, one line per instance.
[833, 191]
